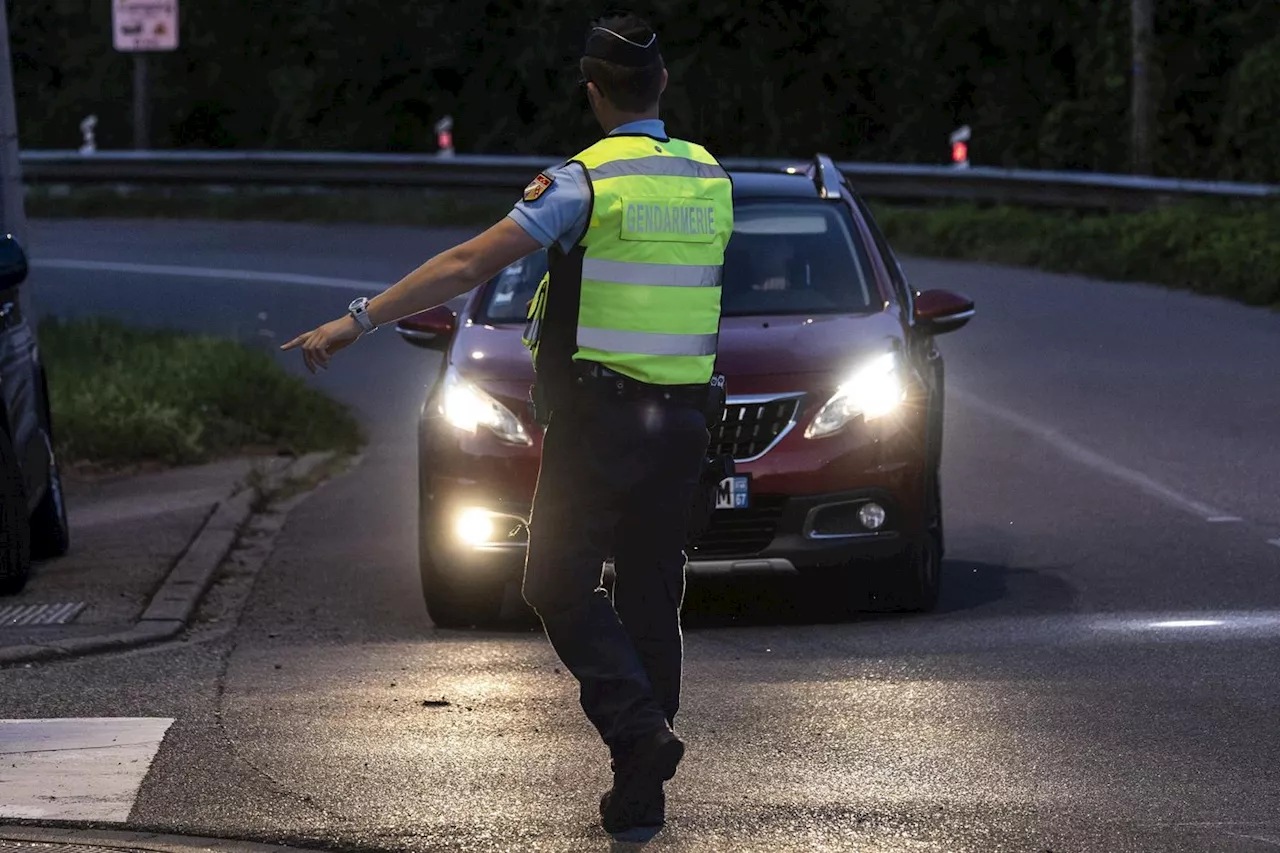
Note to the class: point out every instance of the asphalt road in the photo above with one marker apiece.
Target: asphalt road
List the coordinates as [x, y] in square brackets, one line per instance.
[1102, 674]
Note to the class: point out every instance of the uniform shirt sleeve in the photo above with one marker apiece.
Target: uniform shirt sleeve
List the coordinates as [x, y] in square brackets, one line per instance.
[559, 215]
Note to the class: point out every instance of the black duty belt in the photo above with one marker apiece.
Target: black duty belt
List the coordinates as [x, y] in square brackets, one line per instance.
[596, 379]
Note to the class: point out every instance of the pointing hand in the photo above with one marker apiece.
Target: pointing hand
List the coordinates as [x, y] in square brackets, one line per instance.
[319, 345]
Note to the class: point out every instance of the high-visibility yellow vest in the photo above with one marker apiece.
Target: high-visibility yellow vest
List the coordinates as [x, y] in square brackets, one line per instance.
[648, 281]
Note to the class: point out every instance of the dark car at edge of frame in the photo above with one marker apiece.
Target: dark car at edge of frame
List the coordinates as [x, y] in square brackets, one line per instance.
[33, 512]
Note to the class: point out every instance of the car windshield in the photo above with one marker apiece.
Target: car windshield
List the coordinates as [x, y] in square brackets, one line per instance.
[784, 258]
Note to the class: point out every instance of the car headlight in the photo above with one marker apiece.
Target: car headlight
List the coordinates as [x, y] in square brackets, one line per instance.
[873, 391]
[467, 407]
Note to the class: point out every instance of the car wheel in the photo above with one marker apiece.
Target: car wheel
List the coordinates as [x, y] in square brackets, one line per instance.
[910, 583]
[453, 601]
[50, 533]
[15, 528]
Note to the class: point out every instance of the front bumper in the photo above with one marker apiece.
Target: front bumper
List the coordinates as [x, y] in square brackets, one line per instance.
[794, 533]
[777, 535]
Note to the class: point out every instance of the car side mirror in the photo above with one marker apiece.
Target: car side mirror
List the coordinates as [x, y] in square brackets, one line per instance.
[430, 329]
[940, 311]
[13, 263]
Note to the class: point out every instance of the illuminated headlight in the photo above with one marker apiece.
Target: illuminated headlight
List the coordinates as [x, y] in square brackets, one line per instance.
[873, 391]
[474, 526]
[467, 407]
[479, 527]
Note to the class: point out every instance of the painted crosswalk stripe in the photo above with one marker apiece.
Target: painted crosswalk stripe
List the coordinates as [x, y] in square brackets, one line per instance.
[76, 768]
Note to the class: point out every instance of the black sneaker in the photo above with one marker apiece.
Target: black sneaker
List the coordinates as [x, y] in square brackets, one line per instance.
[649, 813]
[636, 798]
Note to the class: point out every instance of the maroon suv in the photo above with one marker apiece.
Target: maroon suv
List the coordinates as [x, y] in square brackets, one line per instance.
[834, 414]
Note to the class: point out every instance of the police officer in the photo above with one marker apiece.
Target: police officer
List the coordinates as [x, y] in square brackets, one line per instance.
[623, 332]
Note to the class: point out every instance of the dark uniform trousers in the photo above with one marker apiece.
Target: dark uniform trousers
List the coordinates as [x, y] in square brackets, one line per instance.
[617, 479]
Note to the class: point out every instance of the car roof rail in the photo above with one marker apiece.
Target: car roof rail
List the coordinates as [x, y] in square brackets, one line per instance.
[822, 171]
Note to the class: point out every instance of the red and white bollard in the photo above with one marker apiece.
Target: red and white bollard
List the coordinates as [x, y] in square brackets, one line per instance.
[444, 136]
[960, 147]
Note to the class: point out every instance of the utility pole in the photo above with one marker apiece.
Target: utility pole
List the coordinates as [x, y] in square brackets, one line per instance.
[13, 218]
[1141, 105]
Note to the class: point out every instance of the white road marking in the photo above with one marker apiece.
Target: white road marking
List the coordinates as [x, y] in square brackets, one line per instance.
[1223, 519]
[1275, 542]
[76, 768]
[209, 272]
[1096, 461]
[1273, 840]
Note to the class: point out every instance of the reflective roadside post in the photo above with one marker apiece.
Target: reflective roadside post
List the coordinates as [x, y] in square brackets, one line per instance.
[444, 136]
[960, 147]
[90, 144]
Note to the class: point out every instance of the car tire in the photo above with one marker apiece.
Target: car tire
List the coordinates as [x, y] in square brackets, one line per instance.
[50, 532]
[452, 601]
[911, 582]
[15, 526]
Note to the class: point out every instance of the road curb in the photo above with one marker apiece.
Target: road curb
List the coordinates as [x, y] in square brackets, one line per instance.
[171, 607]
[96, 839]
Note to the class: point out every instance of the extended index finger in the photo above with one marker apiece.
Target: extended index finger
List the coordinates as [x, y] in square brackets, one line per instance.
[293, 343]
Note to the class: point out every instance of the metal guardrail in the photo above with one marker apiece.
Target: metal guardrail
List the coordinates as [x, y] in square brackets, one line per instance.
[874, 180]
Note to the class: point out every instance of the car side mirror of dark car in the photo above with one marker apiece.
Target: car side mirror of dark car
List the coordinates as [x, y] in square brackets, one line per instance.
[430, 329]
[939, 311]
[13, 263]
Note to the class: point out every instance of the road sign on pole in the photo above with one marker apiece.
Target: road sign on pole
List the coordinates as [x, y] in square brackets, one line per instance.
[145, 25]
[141, 27]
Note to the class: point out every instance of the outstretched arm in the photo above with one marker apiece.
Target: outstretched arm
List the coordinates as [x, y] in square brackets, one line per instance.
[449, 274]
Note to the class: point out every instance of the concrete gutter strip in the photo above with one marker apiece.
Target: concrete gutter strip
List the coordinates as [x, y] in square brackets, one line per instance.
[107, 840]
[187, 582]
[170, 609]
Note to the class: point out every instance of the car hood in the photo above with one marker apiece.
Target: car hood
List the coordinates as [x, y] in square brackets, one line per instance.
[777, 345]
[749, 346]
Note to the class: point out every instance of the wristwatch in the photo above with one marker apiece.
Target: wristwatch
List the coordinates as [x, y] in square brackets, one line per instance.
[360, 310]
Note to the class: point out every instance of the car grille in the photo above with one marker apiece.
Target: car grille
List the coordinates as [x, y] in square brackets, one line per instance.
[749, 429]
[740, 532]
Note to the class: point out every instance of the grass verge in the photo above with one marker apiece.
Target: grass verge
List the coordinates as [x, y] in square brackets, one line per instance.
[1211, 248]
[123, 397]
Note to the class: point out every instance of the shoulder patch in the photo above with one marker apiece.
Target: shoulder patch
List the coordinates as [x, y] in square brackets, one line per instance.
[537, 186]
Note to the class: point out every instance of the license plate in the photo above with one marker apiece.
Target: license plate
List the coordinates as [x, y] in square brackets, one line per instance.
[734, 493]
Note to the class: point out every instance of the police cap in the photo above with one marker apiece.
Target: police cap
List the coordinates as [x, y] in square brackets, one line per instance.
[637, 48]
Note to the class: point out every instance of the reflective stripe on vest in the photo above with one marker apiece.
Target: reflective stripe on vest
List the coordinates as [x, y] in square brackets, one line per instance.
[646, 343]
[668, 275]
[656, 165]
[662, 213]
[533, 317]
